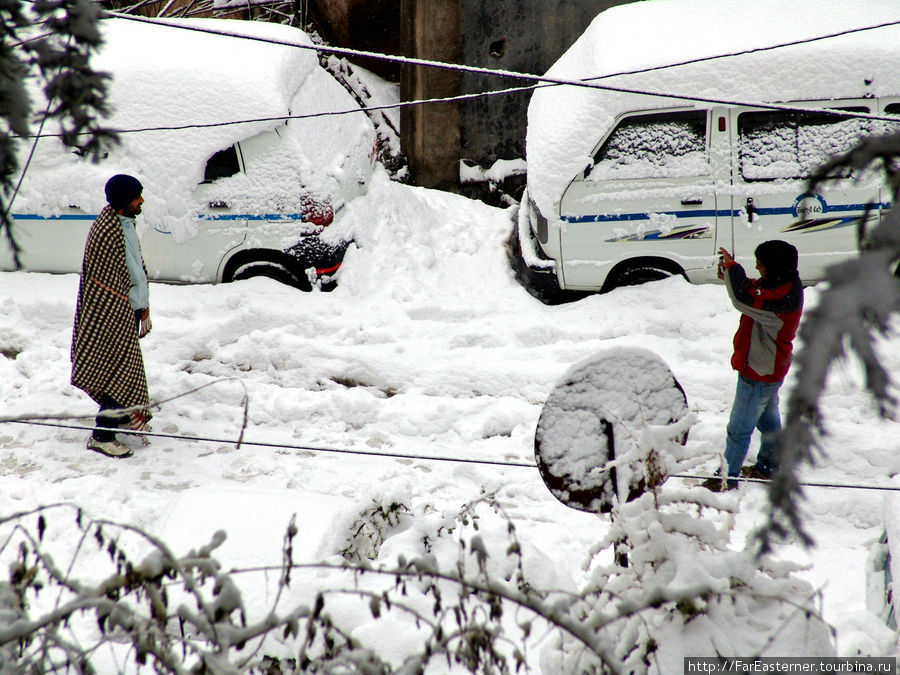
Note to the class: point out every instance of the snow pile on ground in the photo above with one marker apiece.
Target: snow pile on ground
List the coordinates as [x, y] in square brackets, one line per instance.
[428, 347]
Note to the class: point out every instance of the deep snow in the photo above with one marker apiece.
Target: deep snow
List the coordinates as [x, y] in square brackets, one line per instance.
[427, 347]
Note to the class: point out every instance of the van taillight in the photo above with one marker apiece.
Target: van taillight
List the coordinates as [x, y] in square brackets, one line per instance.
[318, 213]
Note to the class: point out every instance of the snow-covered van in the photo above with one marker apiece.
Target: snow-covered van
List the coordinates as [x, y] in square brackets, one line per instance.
[235, 185]
[710, 117]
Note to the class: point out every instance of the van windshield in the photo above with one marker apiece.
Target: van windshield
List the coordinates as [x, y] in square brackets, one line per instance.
[659, 145]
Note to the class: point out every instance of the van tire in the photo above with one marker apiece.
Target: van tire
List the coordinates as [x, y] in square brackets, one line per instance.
[271, 270]
[640, 274]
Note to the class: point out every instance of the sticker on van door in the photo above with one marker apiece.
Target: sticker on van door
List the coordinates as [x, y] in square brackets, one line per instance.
[699, 232]
[810, 208]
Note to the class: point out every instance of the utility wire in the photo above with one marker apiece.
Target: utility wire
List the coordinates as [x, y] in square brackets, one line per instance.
[742, 479]
[490, 71]
[542, 81]
[285, 446]
[462, 97]
[399, 455]
[281, 118]
[590, 83]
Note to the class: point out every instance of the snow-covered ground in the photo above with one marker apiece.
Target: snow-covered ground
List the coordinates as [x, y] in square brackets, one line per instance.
[427, 347]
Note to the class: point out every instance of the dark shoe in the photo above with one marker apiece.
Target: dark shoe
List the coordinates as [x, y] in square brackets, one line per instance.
[755, 472]
[716, 484]
[109, 448]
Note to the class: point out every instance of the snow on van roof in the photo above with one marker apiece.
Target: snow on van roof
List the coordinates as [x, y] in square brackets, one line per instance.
[182, 76]
[565, 123]
[163, 75]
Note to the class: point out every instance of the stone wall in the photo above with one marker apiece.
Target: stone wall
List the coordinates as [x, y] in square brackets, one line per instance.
[520, 35]
[512, 35]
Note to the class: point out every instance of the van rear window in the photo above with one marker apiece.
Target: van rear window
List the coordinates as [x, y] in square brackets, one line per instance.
[659, 145]
[792, 145]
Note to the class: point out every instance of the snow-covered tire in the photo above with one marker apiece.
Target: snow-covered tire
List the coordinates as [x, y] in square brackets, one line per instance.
[271, 270]
[640, 274]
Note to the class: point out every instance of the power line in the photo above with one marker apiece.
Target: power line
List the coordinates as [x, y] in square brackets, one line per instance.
[399, 455]
[281, 118]
[849, 486]
[588, 82]
[543, 81]
[286, 446]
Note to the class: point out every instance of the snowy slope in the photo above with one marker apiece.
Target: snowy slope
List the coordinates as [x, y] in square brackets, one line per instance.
[427, 347]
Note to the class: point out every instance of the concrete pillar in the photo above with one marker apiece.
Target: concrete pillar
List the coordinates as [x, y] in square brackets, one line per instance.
[430, 134]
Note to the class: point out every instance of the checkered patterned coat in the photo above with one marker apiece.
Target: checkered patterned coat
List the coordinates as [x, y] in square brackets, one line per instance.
[106, 356]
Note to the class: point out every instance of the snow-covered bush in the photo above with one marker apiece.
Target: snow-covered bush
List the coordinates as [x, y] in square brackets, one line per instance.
[473, 596]
[684, 592]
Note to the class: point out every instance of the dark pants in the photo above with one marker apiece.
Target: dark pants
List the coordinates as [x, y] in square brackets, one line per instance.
[109, 421]
[109, 403]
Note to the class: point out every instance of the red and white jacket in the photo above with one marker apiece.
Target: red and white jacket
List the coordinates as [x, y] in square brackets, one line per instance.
[763, 344]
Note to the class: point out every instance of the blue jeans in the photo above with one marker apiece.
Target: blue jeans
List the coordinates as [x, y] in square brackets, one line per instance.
[755, 407]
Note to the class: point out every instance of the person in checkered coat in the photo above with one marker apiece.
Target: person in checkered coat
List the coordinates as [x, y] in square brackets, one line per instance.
[111, 314]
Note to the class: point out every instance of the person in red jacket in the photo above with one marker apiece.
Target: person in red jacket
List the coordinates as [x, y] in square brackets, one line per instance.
[770, 310]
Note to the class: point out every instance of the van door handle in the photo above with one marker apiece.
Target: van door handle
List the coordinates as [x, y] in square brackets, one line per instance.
[218, 204]
[751, 209]
[691, 201]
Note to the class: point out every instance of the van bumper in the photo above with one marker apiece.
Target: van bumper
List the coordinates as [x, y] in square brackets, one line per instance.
[536, 272]
[317, 259]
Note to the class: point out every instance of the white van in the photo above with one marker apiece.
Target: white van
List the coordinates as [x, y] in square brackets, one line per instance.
[626, 186]
[223, 201]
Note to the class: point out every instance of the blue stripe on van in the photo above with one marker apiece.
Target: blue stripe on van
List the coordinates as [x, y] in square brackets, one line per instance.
[34, 216]
[247, 216]
[229, 216]
[710, 213]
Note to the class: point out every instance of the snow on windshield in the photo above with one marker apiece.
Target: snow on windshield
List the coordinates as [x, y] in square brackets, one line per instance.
[775, 145]
[165, 76]
[653, 148]
[566, 123]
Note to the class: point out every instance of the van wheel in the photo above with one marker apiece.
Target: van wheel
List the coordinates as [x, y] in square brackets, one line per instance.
[640, 274]
[264, 268]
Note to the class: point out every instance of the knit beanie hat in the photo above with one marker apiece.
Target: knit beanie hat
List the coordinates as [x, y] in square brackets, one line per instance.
[122, 189]
[779, 258]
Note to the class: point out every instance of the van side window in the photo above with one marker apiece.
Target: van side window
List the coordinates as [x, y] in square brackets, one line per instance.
[221, 165]
[792, 145]
[660, 145]
[892, 109]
